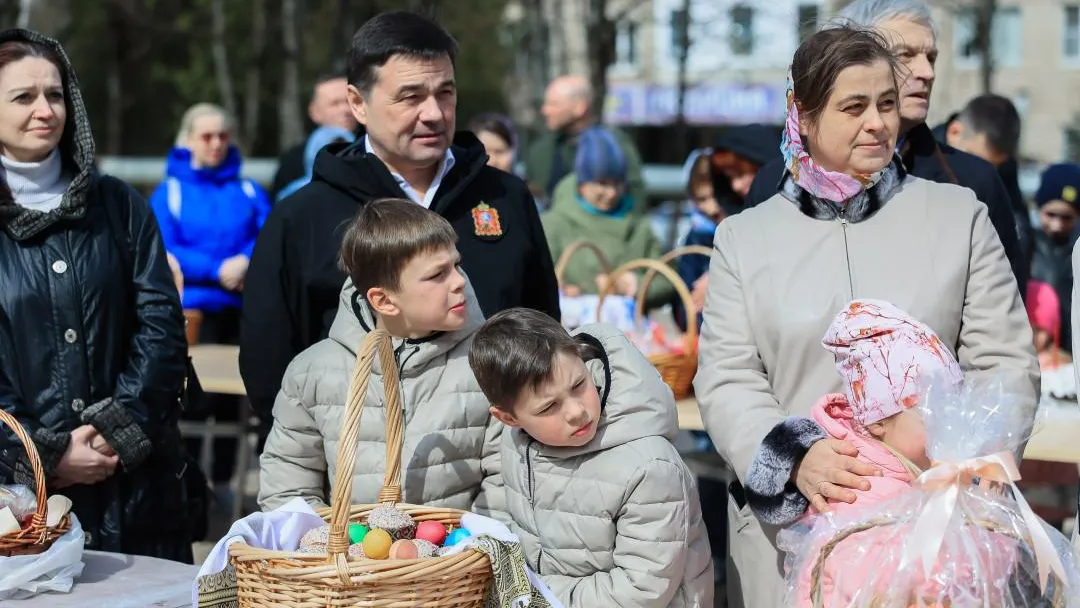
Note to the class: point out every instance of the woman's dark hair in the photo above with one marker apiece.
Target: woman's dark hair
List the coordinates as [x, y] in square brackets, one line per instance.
[821, 57]
[498, 124]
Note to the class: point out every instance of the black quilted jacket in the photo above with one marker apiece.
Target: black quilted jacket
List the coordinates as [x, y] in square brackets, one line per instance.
[91, 333]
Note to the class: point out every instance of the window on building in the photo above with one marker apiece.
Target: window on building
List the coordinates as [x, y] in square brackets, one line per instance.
[1005, 37]
[1071, 35]
[680, 21]
[741, 35]
[808, 21]
[1072, 142]
[626, 45]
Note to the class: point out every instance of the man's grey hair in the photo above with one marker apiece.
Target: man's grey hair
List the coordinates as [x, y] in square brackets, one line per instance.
[871, 13]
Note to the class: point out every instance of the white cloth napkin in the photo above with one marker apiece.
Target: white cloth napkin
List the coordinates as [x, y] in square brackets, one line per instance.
[280, 529]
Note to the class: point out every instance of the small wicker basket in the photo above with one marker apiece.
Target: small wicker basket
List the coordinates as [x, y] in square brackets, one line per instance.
[816, 575]
[280, 579]
[677, 369]
[572, 250]
[36, 537]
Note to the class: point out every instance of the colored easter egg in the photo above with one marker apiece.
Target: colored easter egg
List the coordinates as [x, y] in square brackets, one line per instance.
[377, 544]
[456, 537]
[357, 532]
[431, 531]
[403, 549]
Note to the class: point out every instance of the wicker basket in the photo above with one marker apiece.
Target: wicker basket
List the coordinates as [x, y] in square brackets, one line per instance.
[37, 537]
[1057, 601]
[677, 370]
[568, 254]
[280, 579]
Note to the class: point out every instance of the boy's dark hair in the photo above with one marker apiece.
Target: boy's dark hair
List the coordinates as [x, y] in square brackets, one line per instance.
[395, 33]
[515, 350]
[386, 234]
[996, 117]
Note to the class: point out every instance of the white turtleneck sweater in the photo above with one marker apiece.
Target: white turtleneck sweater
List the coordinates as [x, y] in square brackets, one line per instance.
[39, 185]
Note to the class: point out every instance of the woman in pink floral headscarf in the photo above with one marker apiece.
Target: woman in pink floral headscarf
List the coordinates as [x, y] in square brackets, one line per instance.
[846, 223]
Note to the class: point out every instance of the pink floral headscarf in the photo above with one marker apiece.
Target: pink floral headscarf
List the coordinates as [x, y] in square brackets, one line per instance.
[810, 176]
[884, 354]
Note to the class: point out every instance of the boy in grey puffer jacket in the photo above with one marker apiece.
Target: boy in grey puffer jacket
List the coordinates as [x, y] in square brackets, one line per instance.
[606, 509]
[403, 275]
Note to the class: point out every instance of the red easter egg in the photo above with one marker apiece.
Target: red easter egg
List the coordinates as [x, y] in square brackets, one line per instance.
[431, 531]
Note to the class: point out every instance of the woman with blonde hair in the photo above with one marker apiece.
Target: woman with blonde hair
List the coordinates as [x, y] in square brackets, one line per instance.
[210, 216]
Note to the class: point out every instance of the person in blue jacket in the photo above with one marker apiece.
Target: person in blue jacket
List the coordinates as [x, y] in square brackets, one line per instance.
[318, 140]
[209, 217]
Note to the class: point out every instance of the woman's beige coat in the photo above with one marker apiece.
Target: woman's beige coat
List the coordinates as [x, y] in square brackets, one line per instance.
[776, 279]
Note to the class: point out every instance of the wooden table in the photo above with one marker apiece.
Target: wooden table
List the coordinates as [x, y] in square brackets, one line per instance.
[1056, 438]
[117, 580]
[218, 369]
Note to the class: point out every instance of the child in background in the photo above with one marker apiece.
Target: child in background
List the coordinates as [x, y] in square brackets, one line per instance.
[607, 512]
[600, 213]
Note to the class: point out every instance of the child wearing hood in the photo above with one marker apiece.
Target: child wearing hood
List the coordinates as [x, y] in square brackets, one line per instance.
[606, 510]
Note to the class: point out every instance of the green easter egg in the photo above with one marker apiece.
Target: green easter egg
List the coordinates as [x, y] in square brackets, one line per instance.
[357, 532]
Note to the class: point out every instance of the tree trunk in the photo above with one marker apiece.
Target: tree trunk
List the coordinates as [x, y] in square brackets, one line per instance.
[682, 132]
[252, 92]
[290, 121]
[220, 52]
[600, 34]
[114, 86]
[347, 27]
[984, 41]
[26, 7]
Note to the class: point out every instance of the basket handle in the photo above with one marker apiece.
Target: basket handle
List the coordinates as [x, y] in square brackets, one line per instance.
[826, 550]
[569, 252]
[38, 520]
[667, 258]
[377, 342]
[653, 266]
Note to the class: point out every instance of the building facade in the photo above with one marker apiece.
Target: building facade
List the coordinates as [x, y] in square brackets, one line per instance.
[740, 49]
[736, 62]
[1036, 50]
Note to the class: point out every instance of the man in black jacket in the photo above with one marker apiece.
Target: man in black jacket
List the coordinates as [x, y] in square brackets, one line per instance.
[908, 28]
[989, 127]
[402, 91]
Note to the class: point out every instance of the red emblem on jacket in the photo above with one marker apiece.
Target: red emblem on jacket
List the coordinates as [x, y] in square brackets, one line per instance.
[486, 221]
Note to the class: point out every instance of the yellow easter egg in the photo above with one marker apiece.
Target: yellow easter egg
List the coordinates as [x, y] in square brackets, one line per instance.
[377, 544]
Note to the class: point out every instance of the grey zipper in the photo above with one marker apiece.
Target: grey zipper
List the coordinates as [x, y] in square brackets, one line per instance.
[847, 253]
